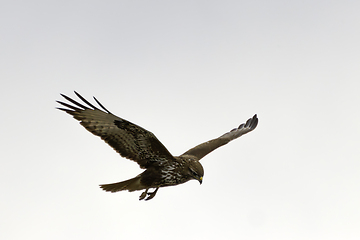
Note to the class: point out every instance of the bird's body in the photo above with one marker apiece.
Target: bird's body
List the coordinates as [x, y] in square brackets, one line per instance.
[135, 143]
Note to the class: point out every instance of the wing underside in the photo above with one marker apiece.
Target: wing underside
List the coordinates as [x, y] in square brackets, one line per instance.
[205, 148]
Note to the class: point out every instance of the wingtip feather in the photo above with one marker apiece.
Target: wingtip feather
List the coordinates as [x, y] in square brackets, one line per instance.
[101, 105]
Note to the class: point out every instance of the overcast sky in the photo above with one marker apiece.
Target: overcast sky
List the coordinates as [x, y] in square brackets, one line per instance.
[188, 71]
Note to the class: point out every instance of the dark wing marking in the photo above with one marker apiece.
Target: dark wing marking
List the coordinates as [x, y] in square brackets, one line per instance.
[203, 149]
[128, 139]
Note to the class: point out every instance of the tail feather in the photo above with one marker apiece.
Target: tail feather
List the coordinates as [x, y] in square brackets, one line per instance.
[132, 184]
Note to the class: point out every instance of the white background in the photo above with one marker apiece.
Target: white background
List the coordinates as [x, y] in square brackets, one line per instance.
[188, 71]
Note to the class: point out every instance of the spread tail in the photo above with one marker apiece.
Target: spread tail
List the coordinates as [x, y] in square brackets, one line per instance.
[132, 184]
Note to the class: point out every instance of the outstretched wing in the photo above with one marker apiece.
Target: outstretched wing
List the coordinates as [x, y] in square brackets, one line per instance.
[131, 141]
[203, 149]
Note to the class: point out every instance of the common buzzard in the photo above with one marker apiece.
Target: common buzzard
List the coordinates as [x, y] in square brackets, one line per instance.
[135, 143]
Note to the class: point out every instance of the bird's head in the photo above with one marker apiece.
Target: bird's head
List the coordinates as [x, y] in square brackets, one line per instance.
[196, 171]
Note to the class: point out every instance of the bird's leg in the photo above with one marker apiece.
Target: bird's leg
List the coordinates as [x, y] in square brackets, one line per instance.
[152, 194]
[143, 195]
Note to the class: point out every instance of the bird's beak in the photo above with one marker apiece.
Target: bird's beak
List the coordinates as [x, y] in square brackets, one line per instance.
[200, 180]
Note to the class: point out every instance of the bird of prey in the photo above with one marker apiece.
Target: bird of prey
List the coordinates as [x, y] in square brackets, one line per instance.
[135, 143]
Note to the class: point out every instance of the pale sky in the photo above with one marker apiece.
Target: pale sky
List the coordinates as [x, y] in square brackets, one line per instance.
[188, 71]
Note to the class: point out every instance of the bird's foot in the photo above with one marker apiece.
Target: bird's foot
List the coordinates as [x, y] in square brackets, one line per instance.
[143, 195]
[152, 194]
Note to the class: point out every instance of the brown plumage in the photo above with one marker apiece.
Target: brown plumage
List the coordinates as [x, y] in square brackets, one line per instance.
[135, 143]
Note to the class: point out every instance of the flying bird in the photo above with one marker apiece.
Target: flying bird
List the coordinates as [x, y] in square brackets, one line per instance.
[162, 169]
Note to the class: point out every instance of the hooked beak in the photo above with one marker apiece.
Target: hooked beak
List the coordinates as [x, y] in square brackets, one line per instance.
[200, 180]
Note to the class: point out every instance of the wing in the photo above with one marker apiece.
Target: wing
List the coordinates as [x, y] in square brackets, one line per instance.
[203, 149]
[129, 140]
